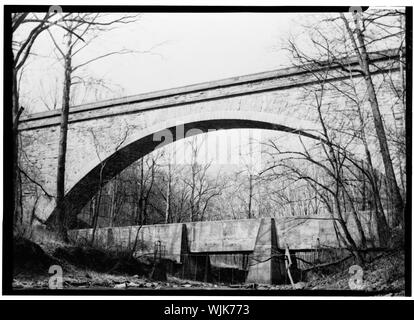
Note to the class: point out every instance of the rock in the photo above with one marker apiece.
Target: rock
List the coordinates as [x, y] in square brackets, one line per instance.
[76, 283]
[133, 284]
[251, 286]
[120, 286]
[263, 287]
[17, 285]
[300, 285]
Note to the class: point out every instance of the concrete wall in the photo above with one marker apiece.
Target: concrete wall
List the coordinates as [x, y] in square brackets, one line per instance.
[122, 238]
[307, 232]
[298, 233]
[222, 236]
[260, 238]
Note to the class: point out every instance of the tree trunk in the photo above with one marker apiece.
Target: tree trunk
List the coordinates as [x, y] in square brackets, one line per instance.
[363, 57]
[382, 224]
[17, 110]
[192, 195]
[349, 239]
[357, 220]
[112, 210]
[141, 192]
[167, 206]
[98, 203]
[92, 211]
[403, 104]
[96, 214]
[364, 190]
[249, 212]
[61, 227]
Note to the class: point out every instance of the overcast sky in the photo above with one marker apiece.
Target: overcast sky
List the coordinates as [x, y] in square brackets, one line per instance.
[185, 48]
[201, 47]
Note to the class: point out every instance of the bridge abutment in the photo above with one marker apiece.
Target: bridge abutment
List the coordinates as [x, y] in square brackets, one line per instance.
[192, 245]
[265, 266]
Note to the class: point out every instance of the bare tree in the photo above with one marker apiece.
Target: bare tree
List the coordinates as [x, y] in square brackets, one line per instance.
[330, 40]
[202, 188]
[167, 179]
[102, 164]
[328, 189]
[332, 53]
[22, 44]
[330, 162]
[248, 182]
[168, 196]
[359, 44]
[77, 28]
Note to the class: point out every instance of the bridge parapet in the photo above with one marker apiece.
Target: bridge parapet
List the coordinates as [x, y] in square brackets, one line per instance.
[232, 87]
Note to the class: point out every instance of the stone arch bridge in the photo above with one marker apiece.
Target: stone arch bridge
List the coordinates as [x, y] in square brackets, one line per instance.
[270, 100]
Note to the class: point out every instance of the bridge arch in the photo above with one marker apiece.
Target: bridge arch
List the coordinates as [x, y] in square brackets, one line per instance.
[142, 142]
[274, 100]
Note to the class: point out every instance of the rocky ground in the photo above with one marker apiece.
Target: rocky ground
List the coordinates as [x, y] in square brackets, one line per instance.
[91, 269]
[384, 275]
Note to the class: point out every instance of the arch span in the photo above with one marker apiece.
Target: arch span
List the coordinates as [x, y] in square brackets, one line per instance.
[143, 142]
[276, 100]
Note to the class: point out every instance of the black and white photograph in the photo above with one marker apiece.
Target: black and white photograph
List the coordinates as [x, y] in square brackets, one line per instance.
[207, 151]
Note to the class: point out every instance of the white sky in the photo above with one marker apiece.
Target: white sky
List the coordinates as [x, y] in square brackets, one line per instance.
[186, 48]
[201, 47]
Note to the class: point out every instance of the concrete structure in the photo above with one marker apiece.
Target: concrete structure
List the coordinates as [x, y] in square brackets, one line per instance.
[120, 131]
[260, 238]
[263, 266]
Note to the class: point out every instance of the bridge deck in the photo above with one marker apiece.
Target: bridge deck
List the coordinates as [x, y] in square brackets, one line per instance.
[245, 84]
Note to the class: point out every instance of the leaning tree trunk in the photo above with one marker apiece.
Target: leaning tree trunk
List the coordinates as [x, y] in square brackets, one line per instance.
[363, 58]
[382, 224]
